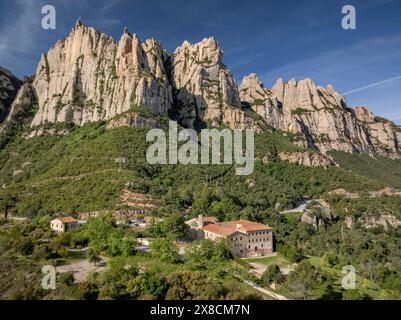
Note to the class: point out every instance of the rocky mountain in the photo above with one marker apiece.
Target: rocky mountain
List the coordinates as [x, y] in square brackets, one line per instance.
[254, 95]
[319, 118]
[9, 86]
[89, 77]
[24, 105]
[205, 90]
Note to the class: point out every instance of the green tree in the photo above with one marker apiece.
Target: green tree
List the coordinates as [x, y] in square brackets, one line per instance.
[118, 244]
[66, 278]
[26, 247]
[93, 256]
[114, 280]
[330, 259]
[97, 231]
[7, 202]
[164, 249]
[204, 254]
[272, 274]
[304, 280]
[175, 226]
[355, 294]
[149, 285]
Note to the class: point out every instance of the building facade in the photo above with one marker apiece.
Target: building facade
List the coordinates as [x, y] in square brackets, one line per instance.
[61, 225]
[245, 238]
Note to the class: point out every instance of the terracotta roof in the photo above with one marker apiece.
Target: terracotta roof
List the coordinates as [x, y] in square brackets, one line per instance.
[245, 225]
[194, 221]
[68, 219]
[218, 229]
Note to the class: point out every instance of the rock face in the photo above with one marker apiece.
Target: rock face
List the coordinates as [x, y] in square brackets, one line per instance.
[385, 220]
[204, 88]
[9, 86]
[319, 118]
[261, 100]
[308, 159]
[318, 213]
[88, 77]
[24, 106]
[384, 134]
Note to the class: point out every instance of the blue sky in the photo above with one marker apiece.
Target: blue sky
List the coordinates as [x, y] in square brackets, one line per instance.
[274, 38]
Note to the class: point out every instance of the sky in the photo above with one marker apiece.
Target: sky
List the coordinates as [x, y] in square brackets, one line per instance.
[274, 38]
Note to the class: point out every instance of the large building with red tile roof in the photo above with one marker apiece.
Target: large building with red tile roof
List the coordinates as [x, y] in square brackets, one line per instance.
[245, 238]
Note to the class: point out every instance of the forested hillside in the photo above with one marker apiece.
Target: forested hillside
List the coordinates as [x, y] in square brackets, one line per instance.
[77, 172]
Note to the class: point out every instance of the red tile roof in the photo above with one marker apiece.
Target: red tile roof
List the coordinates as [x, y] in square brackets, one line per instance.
[68, 219]
[245, 225]
[218, 229]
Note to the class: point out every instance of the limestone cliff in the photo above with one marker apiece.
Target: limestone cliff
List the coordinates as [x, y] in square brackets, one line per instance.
[24, 105]
[205, 89]
[254, 95]
[319, 118]
[385, 136]
[89, 77]
[9, 86]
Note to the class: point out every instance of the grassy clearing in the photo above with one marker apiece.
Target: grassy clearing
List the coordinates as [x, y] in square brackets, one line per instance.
[279, 260]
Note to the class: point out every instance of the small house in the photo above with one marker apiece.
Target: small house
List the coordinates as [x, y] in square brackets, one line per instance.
[61, 225]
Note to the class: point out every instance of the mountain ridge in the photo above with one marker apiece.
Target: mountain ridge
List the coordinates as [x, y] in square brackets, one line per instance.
[89, 77]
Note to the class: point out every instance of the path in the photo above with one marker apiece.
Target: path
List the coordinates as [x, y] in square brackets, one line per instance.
[82, 175]
[301, 208]
[265, 291]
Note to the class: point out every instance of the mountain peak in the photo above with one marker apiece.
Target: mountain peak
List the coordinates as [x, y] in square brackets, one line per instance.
[78, 23]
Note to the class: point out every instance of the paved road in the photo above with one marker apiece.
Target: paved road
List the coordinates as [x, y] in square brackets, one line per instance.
[299, 209]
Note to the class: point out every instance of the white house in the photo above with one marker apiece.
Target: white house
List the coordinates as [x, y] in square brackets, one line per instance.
[62, 224]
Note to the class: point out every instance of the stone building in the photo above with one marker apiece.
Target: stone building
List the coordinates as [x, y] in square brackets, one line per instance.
[245, 238]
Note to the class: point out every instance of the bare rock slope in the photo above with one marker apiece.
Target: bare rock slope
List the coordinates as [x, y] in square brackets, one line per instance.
[9, 86]
[88, 77]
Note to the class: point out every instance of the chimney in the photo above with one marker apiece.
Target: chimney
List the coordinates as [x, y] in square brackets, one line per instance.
[200, 221]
